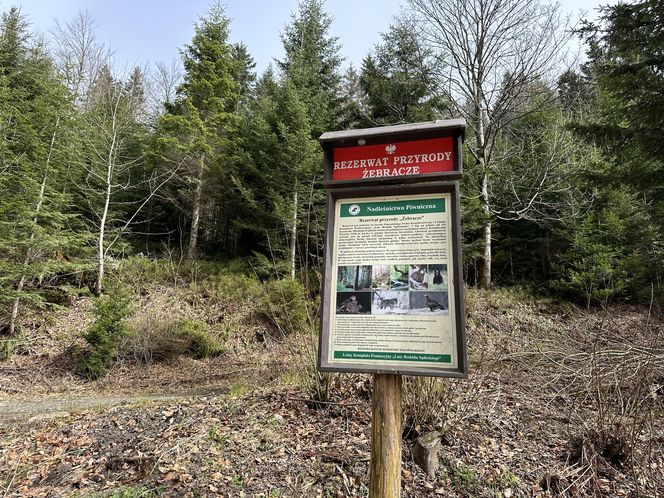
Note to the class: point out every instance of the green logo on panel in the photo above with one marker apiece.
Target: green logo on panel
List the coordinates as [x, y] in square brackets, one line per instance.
[353, 209]
[389, 208]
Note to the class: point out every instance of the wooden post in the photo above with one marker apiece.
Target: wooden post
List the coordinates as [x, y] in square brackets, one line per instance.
[385, 474]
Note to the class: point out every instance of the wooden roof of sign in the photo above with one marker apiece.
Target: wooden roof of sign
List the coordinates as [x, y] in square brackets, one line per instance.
[405, 129]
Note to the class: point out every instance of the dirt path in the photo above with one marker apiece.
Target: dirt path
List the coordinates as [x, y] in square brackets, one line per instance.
[34, 410]
[27, 403]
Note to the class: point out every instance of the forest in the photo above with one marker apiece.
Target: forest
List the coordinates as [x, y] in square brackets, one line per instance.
[211, 161]
[178, 211]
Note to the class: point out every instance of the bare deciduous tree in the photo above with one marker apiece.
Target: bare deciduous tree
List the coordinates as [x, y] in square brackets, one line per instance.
[542, 160]
[79, 56]
[162, 86]
[109, 161]
[491, 55]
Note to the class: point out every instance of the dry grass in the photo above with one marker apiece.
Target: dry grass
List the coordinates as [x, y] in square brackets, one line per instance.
[602, 371]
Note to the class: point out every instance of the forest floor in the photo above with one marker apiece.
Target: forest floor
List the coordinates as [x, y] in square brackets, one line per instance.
[559, 402]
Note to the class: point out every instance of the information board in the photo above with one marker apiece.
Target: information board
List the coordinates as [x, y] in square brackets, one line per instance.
[390, 302]
[392, 296]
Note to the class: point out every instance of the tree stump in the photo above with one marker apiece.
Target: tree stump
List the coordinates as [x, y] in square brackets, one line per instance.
[425, 452]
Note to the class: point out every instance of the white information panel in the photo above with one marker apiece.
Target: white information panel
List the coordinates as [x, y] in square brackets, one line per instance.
[391, 295]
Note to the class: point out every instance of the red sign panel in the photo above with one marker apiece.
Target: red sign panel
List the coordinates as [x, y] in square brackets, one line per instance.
[414, 158]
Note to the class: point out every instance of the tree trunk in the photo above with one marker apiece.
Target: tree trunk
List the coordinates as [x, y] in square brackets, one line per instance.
[195, 213]
[101, 253]
[14, 315]
[26, 261]
[293, 235]
[485, 270]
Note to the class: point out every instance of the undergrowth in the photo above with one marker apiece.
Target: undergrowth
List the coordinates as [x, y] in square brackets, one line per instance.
[162, 338]
[11, 345]
[140, 272]
[110, 328]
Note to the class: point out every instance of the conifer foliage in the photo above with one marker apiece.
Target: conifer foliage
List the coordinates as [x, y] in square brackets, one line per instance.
[39, 239]
[199, 128]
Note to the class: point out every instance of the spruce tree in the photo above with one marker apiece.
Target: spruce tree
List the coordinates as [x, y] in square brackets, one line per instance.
[305, 103]
[198, 131]
[312, 64]
[626, 54]
[282, 162]
[37, 237]
[615, 103]
[396, 78]
[244, 74]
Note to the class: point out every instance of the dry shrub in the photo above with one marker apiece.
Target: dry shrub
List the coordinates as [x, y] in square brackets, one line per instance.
[444, 404]
[427, 404]
[231, 304]
[317, 384]
[161, 339]
[607, 371]
[295, 320]
[303, 346]
[602, 371]
[596, 449]
[431, 403]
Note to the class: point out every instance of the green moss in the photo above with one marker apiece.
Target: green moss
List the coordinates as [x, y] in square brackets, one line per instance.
[463, 478]
[238, 389]
[136, 492]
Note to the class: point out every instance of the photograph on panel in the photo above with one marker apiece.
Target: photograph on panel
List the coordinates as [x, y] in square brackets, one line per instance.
[346, 278]
[428, 303]
[438, 278]
[355, 278]
[390, 303]
[354, 303]
[380, 277]
[399, 277]
[418, 277]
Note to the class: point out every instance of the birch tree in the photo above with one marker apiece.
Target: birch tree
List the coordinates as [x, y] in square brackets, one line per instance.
[111, 156]
[491, 55]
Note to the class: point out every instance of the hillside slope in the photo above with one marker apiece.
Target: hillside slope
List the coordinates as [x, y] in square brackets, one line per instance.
[559, 402]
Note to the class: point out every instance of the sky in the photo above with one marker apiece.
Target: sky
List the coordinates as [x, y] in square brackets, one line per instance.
[141, 32]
